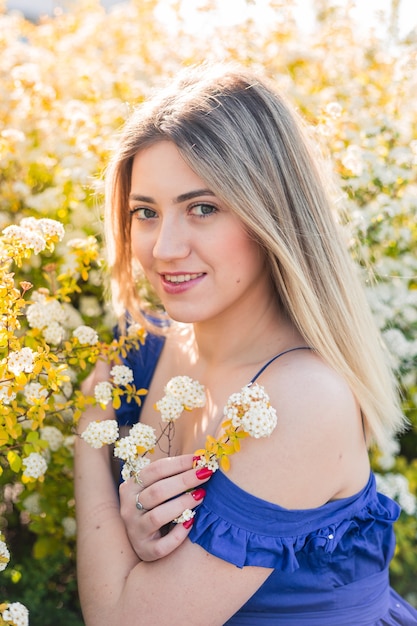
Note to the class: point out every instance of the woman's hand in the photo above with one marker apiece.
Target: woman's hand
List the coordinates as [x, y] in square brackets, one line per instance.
[165, 489]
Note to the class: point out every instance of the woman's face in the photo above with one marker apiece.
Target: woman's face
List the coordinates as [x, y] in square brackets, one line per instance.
[195, 252]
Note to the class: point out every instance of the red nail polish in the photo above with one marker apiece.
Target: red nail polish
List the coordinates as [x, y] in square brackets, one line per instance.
[188, 523]
[203, 472]
[196, 458]
[198, 494]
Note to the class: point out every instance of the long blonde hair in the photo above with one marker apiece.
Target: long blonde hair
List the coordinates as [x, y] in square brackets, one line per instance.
[246, 143]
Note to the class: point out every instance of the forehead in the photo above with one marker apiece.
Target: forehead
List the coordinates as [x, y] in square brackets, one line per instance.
[160, 164]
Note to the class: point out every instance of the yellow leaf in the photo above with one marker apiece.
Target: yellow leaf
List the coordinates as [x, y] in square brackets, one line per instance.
[14, 460]
[225, 463]
[117, 403]
[4, 437]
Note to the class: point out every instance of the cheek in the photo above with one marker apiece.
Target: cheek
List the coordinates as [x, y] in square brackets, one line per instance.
[245, 256]
[138, 246]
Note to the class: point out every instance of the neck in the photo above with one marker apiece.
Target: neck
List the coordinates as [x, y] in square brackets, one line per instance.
[248, 337]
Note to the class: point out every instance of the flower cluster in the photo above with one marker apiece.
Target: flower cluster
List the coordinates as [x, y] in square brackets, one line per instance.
[131, 449]
[45, 352]
[185, 516]
[15, 614]
[251, 411]
[32, 235]
[248, 413]
[4, 556]
[35, 465]
[20, 361]
[181, 394]
[97, 434]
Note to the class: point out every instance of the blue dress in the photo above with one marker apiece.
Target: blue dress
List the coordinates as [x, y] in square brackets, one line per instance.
[330, 564]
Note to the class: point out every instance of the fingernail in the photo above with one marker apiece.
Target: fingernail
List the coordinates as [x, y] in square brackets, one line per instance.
[198, 494]
[203, 472]
[188, 523]
[196, 458]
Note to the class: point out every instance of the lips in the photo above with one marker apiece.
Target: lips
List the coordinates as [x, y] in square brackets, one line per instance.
[180, 278]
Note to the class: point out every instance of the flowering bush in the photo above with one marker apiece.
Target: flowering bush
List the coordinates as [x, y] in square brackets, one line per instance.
[66, 85]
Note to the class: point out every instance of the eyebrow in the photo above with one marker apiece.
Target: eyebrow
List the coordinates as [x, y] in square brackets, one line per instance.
[189, 195]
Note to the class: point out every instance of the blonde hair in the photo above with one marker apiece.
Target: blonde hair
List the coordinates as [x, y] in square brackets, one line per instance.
[246, 143]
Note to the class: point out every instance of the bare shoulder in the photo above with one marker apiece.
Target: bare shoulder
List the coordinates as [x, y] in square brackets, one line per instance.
[303, 387]
[317, 451]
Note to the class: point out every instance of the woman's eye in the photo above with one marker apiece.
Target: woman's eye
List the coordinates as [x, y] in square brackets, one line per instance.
[203, 210]
[143, 213]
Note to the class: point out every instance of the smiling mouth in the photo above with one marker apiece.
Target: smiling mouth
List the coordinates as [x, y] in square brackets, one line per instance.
[180, 278]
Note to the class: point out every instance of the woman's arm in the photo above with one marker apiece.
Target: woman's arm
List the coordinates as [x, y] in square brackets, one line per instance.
[116, 588]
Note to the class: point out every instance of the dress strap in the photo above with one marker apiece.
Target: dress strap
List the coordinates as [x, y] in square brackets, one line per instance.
[274, 358]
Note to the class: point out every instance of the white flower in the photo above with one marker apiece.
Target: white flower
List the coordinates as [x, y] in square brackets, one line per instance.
[251, 410]
[17, 614]
[4, 556]
[388, 453]
[35, 464]
[32, 503]
[396, 486]
[334, 110]
[53, 436]
[134, 329]
[184, 517]
[353, 160]
[86, 335]
[97, 434]
[212, 463]
[122, 375]
[398, 343]
[170, 408]
[27, 238]
[143, 436]
[21, 361]
[125, 449]
[140, 436]
[34, 391]
[90, 306]
[103, 392]
[5, 396]
[70, 526]
[51, 228]
[188, 391]
[43, 312]
[54, 333]
[132, 467]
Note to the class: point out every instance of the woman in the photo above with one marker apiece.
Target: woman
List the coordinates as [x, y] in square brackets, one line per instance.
[215, 194]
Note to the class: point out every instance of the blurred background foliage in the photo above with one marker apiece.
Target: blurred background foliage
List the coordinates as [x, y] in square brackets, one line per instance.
[67, 84]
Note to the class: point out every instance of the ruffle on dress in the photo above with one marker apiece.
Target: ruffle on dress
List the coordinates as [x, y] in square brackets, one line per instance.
[245, 530]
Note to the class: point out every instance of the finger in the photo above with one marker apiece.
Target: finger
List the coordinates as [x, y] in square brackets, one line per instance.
[163, 480]
[163, 546]
[163, 468]
[154, 519]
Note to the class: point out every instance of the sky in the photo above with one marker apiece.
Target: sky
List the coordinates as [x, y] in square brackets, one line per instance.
[232, 11]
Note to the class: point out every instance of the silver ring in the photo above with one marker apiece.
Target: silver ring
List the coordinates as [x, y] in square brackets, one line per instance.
[139, 505]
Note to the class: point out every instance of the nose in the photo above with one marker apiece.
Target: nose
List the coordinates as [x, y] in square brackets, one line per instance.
[172, 240]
